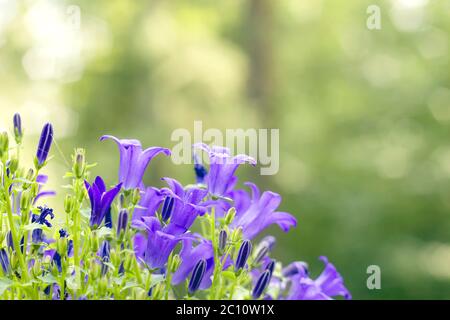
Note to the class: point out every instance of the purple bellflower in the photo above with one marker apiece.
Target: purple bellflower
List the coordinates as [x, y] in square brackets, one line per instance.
[190, 255]
[256, 213]
[156, 248]
[186, 206]
[151, 199]
[328, 285]
[38, 235]
[220, 178]
[133, 160]
[101, 201]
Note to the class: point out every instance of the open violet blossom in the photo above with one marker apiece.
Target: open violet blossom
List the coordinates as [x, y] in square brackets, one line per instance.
[133, 160]
[155, 248]
[187, 206]
[176, 240]
[222, 168]
[257, 212]
[328, 285]
[101, 201]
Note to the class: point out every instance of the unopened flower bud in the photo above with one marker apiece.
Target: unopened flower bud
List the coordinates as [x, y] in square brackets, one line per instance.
[13, 165]
[79, 166]
[136, 196]
[222, 240]
[18, 132]
[4, 143]
[243, 254]
[230, 216]
[61, 246]
[37, 268]
[175, 263]
[236, 235]
[68, 203]
[45, 142]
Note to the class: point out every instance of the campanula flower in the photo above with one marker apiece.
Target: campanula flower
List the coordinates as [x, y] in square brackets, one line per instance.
[156, 248]
[133, 160]
[187, 205]
[45, 142]
[257, 212]
[222, 168]
[190, 255]
[151, 199]
[101, 201]
[38, 235]
[328, 285]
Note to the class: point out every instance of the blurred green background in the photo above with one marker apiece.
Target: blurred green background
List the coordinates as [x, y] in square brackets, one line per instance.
[363, 114]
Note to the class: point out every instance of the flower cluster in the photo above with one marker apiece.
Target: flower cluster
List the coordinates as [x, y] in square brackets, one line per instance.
[133, 241]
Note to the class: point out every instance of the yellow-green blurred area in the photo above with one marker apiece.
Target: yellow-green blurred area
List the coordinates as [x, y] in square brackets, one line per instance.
[364, 115]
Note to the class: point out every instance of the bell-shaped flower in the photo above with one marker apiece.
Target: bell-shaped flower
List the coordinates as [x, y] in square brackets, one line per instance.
[222, 167]
[101, 201]
[134, 160]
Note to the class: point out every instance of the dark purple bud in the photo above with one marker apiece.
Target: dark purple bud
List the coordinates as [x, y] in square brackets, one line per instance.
[222, 240]
[197, 276]
[243, 254]
[9, 240]
[122, 221]
[200, 170]
[4, 261]
[271, 266]
[45, 142]
[261, 284]
[167, 208]
[17, 127]
[104, 254]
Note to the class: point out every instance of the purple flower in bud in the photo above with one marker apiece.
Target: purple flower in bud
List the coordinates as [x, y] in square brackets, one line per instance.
[197, 276]
[122, 221]
[222, 240]
[243, 254]
[45, 142]
[133, 160]
[167, 208]
[18, 133]
[104, 255]
[4, 261]
[200, 170]
[101, 201]
[261, 284]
